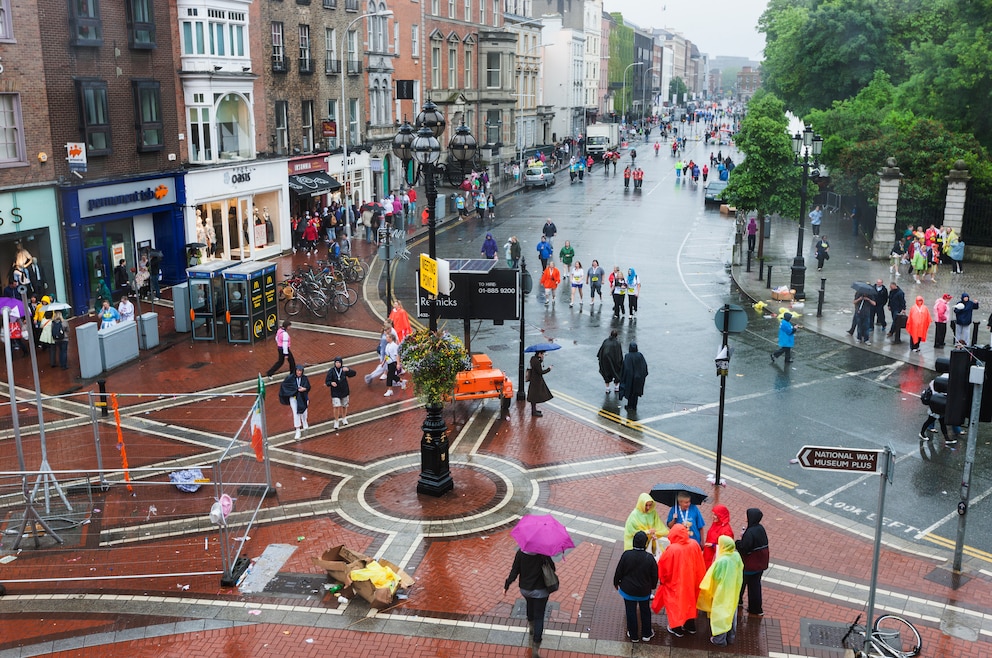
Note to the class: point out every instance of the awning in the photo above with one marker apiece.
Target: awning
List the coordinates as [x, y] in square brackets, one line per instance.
[313, 184]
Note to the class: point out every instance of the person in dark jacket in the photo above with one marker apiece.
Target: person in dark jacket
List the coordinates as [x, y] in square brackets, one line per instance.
[529, 568]
[295, 392]
[753, 547]
[538, 390]
[337, 381]
[897, 307]
[610, 357]
[881, 299]
[632, 375]
[635, 579]
[962, 318]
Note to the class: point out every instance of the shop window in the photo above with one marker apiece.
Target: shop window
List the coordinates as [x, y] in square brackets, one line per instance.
[282, 127]
[140, 24]
[11, 130]
[148, 112]
[85, 23]
[94, 115]
[6, 29]
[234, 128]
[307, 125]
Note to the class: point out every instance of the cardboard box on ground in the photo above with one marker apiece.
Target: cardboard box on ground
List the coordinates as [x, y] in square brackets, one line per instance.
[783, 296]
[339, 562]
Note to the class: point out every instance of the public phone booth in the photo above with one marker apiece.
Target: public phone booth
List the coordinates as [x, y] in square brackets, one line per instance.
[250, 295]
[207, 304]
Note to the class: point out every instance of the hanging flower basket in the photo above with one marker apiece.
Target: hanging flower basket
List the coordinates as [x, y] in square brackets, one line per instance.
[434, 361]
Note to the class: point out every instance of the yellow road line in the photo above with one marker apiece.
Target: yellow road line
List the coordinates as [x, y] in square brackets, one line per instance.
[950, 543]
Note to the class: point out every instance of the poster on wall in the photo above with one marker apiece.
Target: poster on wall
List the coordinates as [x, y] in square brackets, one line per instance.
[117, 253]
[259, 235]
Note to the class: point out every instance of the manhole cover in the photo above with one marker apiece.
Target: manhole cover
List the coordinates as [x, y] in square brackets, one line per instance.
[826, 635]
[499, 348]
[197, 365]
[520, 609]
[295, 584]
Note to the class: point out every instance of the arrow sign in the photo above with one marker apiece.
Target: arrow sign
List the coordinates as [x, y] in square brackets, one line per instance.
[826, 458]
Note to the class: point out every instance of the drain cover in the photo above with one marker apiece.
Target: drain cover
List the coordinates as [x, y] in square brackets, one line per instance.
[197, 365]
[827, 635]
[295, 584]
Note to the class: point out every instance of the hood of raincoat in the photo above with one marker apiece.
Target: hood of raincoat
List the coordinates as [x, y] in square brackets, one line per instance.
[678, 534]
[919, 300]
[640, 539]
[721, 512]
[754, 516]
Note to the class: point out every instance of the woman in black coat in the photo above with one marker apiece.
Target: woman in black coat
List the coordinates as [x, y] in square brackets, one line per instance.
[529, 568]
[610, 357]
[295, 392]
[538, 391]
[753, 547]
[632, 376]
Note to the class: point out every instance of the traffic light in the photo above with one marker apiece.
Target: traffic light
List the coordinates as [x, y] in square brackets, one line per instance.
[958, 389]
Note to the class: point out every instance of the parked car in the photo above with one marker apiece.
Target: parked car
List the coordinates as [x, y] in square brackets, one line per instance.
[534, 176]
[713, 191]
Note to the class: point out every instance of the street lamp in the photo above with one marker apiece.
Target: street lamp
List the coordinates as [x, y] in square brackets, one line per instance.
[341, 114]
[804, 144]
[424, 147]
[623, 100]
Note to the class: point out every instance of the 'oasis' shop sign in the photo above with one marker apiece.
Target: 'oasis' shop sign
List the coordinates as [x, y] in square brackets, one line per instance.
[126, 197]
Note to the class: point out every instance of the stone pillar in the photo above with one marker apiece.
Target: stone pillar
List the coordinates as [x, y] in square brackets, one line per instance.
[957, 192]
[888, 202]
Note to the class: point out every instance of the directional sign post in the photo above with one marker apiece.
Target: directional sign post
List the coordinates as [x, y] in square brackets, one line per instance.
[428, 274]
[825, 458]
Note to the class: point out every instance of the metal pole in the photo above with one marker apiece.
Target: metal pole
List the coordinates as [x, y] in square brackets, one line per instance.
[431, 232]
[887, 463]
[749, 260]
[768, 279]
[799, 264]
[723, 397]
[976, 376]
[819, 301]
[521, 394]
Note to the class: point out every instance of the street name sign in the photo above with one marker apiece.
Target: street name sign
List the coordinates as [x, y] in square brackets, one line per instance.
[826, 458]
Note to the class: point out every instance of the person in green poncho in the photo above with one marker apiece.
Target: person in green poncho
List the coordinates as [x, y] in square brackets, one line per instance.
[566, 255]
[645, 518]
[720, 591]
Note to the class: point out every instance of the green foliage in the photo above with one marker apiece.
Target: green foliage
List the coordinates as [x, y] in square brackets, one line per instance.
[677, 89]
[434, 359]
[621, 56]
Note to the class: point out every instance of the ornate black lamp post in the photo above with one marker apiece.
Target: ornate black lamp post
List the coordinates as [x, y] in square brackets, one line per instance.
[804, 145]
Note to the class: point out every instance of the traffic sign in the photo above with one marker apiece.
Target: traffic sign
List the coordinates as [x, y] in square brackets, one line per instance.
[737, 322]
[428, 274]
[826, 458]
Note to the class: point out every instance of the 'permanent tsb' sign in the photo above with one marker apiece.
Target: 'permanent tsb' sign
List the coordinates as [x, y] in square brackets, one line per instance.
[825, 458]
[126, 197]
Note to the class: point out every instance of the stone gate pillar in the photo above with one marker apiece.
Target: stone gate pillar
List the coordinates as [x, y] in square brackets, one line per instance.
[957, 192]
[888, 202]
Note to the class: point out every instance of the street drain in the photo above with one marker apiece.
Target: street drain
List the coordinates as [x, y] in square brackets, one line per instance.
[826, 635]
[295, 584]
[499, 348]
[197, 365]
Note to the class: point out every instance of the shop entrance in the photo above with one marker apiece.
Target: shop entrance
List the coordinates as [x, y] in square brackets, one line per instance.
[233, 227]
[104, 246]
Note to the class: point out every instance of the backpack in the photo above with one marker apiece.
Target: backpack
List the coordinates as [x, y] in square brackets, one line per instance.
[58, 330]
[926, 395]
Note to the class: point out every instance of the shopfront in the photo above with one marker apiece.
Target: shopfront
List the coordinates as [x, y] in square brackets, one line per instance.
[105, 224]
[239, 212]
[310, 186]
[358, 181]
[29, 234]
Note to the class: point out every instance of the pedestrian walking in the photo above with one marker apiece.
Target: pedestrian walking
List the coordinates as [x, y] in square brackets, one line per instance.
[752, 229]
[897, 309]
[719, 528]
[626, 177]
[538, 390]
[550, 280]
[644, 518]
[918, 324]
[955, 252]
[618, 288]
[511, 250]
[864, 310]
[549, 230]
[680, 570]
[633, 291]
[565, 256]
[753, 547]
[489, 247]
[719, 592]
[635, 578]
[337, 381]
[283, 341]
[822, 252]
[577, 277]
[786, 338]
[881, 299]
[295, 392]
[545, 251]
[60, 342]
[633, 372]
[528, 570]
[610, 357]
[594, 277]
[815, 218]
[963, 312]
[940, 316]
[388, 364]
[933, 416]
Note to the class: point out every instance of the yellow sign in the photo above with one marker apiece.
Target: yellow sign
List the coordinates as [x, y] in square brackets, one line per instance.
[428, 274]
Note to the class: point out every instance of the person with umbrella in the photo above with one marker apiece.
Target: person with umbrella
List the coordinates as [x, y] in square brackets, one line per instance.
[633, 372]
[539, 536]
[864, 310]
[538, 390]
[635, 578]
[610, 356]
[685, 513]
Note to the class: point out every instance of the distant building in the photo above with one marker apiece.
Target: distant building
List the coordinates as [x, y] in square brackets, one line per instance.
[748, 81]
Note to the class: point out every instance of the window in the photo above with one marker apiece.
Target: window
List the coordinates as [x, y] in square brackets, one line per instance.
[282, 127]
[451, 9]
[493, 126]
[354, 64]
[303, 2]
[330, 4]
[452, 68]
[200, 135]
[278, 50]
[307, 125]
[435, 7]
[492, 70]
[351, 5]
[11, 135]
[332, 115]
[353, 136]
[148, 115]
[306, 61]
[331, 63]
[482, 12]
[193, 38]
[95, 115]
[415, 40]
[468, 68]
[468, 11]
[435, 66]
[396, 38]
[140, 24]
[374, 100]
[85, 23]
[6, 28]
[495, 13]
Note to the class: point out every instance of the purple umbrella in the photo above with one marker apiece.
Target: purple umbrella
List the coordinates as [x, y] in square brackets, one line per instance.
[16, 306]
[541, 534]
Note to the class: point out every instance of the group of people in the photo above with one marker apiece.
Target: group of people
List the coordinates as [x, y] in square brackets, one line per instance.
[625, 374]
[921, 252]
[636, 174]
[485, 205]
[48, 329]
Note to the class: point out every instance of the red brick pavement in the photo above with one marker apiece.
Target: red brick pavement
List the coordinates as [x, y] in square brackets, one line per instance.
[475, 491]
[32, 628]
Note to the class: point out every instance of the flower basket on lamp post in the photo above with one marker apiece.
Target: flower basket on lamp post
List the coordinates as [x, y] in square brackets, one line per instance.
[434, 360]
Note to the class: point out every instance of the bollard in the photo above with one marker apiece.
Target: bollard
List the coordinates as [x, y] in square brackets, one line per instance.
[974, 333]
[761, 270]
[768, 279]
[748, 261]
[819, 301]
[102, 383]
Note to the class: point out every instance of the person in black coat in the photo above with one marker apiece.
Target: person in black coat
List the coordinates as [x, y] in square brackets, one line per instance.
[753, 547]
[632, 375]
[897, 307]
[538, 390]
[635, 579]
[295, 392]
[881, 299]
[337, 382]
[529, 568]
[610, 357]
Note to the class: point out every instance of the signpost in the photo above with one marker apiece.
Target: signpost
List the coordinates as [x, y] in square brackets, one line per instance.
[428, 274]
[729, 319]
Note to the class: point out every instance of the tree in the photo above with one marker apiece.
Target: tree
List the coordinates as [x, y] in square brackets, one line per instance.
[677, 89]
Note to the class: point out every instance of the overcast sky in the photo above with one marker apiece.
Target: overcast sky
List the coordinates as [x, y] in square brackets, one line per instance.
[717, 27]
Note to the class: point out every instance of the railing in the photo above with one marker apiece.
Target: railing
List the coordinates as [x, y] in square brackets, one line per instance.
[354, 66]
[332, 66]
[306, 65]
[279, 64]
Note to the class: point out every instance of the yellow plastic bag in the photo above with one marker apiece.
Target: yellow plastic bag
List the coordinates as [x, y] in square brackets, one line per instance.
[378, 575]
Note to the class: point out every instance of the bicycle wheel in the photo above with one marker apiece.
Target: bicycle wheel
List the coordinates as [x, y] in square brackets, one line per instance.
[898, 635]
[340, 302]
[357, 271]
[293, 306]
[351, 294]
[318, 306]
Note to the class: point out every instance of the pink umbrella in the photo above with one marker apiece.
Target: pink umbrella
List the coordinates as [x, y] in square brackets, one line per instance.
[541, 534]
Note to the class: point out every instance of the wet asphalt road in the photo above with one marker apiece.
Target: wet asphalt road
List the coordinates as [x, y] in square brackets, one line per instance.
[833, 395]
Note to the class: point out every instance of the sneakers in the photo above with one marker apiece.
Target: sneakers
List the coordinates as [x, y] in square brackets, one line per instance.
[387, 393]
[648, 638]
[335, 424]
[677, 632]
[344, 421]
[299, 434]
[634, 640]
[772, 355]
[382, 377]
[951, 442]
[924, 438]
[868, 343]
[403, 384]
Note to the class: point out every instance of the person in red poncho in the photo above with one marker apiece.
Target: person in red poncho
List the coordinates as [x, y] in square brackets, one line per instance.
[680, 570]
[918, 324]
[401, 321]
[719, 528]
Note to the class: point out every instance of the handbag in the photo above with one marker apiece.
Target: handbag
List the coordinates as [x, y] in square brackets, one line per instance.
[926, 395]
[527, 375]
[550, 577]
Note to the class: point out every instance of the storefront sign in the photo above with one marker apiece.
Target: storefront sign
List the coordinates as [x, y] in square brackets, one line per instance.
[306, 165]
[126, 197]
[329, 128]
[76, 156]
[238, 175]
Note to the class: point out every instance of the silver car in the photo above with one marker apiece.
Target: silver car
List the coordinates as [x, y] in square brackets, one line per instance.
[541, 175]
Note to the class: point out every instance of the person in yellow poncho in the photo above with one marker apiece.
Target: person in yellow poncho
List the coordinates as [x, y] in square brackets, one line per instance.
[645, 517]
[720, 592]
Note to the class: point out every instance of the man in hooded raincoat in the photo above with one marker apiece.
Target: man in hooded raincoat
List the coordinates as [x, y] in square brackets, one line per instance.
[610, 358]
[720, 591]
[753, 547]
[632, 375]
[680, 570]
[644, 518]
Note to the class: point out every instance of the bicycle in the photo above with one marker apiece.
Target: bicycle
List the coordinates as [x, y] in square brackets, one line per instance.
[891, 637]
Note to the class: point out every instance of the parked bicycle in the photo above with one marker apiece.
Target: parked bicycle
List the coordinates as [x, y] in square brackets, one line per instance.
[891, 637]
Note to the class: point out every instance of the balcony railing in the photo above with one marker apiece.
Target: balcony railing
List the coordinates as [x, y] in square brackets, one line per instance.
[354, 66]
[332, 66]
[279, 64]
[306, 65]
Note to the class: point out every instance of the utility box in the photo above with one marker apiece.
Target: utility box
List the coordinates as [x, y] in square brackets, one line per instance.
[88, 346]
[118, 344]
[148, 331]
[180, 307]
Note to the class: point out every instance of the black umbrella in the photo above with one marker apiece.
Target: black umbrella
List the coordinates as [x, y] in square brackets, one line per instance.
[666, 493]
[863, 288]
[195, 245]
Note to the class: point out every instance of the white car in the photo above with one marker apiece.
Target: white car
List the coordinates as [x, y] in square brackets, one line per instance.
[534, 176]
